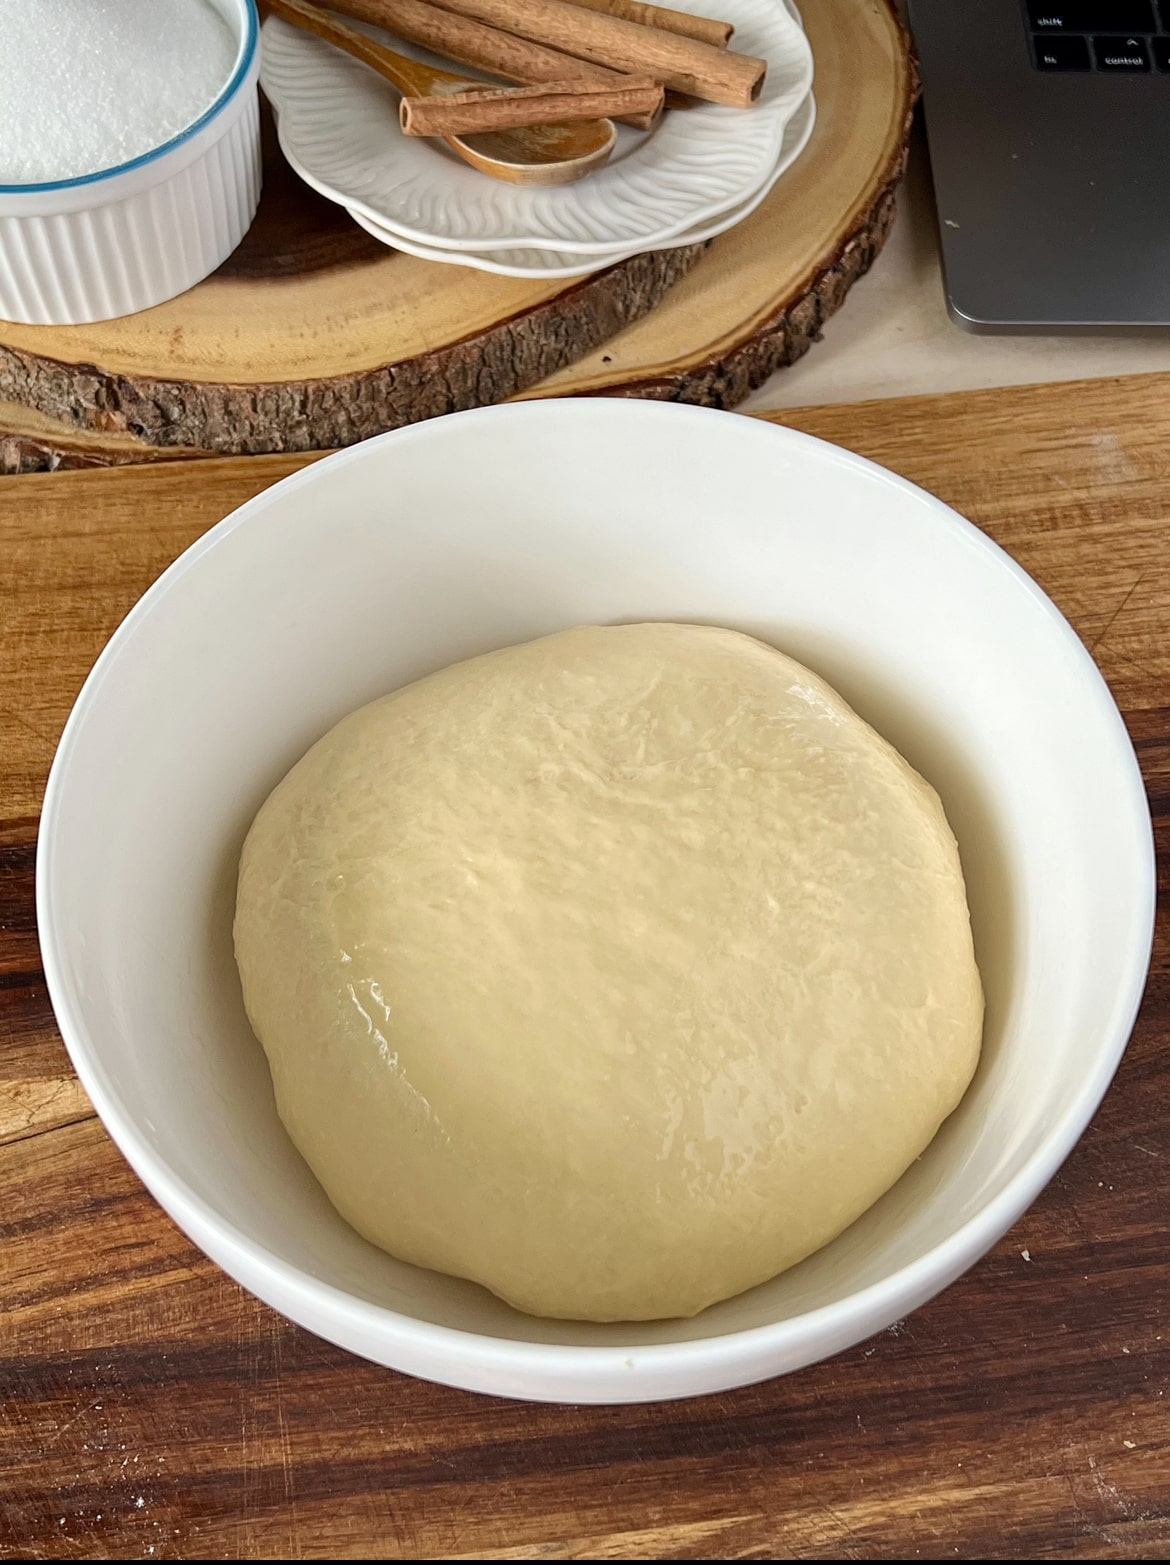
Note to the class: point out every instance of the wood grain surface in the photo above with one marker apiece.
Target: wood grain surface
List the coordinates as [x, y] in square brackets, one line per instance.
[314, 335]
[151, 1409]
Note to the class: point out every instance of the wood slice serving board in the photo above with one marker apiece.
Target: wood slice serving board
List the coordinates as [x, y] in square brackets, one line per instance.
[313, 335]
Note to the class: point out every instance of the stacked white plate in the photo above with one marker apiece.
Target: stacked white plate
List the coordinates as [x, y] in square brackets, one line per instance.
[701, 171]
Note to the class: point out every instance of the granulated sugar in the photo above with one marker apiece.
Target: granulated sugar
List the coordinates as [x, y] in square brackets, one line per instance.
[88, 84]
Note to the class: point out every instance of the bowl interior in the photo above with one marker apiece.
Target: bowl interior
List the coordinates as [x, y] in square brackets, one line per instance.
[370, 569]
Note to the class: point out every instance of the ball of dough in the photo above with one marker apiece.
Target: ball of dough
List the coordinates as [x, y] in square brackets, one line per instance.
[617, 971]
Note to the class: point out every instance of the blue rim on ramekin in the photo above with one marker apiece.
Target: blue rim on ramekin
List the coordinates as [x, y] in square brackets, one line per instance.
[248, 54]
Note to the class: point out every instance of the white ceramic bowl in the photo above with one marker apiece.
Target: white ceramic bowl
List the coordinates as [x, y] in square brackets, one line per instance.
[120, 240]
[445, 539]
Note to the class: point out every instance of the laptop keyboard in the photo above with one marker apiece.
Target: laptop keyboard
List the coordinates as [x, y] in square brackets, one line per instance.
[1116, 36]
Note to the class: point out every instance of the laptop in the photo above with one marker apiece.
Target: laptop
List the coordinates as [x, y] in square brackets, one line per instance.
[1049, 133]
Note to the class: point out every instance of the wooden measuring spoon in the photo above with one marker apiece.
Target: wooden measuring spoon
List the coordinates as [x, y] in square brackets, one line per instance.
[535, 155]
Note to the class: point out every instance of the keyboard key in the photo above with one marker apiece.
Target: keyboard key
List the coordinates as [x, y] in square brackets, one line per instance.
[1092, 16]
[1062, 54]
[1161, 47]
[1121, 54]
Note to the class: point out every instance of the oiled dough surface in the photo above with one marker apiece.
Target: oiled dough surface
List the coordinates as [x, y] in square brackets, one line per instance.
[617, 971]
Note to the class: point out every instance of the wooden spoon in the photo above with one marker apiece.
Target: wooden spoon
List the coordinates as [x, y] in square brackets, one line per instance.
[536, 155]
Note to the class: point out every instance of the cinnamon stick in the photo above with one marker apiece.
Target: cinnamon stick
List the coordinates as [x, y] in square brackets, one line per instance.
[486, 48]
[717, 75]
[518, 108]
[704, 28]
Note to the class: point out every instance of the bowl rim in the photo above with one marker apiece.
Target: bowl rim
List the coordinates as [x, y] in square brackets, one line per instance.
[468, 1353]
[246, 56]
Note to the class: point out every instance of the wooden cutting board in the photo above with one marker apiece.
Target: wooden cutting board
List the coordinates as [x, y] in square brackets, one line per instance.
[314, 335]
[152, 1409]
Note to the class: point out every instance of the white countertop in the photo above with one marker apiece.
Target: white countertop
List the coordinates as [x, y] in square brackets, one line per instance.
[893, 337]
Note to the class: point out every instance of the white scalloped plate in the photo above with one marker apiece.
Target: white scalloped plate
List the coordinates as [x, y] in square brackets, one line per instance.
[338, 127]
[552, 264]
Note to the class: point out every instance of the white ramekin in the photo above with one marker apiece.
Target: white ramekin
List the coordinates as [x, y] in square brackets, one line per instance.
[125, 238]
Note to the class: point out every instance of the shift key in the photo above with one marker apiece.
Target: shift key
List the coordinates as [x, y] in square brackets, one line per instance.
[1092, 16]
